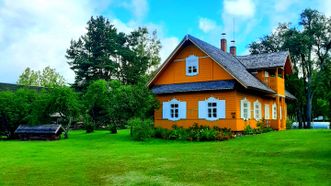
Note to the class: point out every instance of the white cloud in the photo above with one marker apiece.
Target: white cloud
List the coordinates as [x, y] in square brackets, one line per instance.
[243, 8]
[122, 27]
[282, 5]
[168, 45]
[206, 25]
[138, 8]
[325, 7]
[37, 33]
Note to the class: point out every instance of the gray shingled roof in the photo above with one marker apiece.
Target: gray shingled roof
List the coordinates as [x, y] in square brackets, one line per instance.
[288, 95]
[263, 61]
[193, 87]
[14, 87]
[39, 129]
[230, 64]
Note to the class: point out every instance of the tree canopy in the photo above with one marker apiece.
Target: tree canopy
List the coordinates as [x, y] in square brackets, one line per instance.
[105, 53]
[48, 77]
[309, 46]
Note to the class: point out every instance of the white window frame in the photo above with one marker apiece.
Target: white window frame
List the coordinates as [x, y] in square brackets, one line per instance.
[192, 65]
[274, 111]
[266, 74]
[257, 111]
[245, 106]
[169, 112]
[211, 109]
[266, 111]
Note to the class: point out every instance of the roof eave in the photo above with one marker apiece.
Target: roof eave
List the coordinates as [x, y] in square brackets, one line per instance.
[167, 60]
[244, 85]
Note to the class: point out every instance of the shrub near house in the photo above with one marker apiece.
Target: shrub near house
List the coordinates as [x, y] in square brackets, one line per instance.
[200, 83]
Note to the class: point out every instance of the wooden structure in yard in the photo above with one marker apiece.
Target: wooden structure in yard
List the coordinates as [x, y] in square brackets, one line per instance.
[200, 83]
[41, 132]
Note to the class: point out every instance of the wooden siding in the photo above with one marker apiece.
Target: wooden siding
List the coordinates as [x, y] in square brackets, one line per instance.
[192, 100]
[175, 71]
[232, 110]
[208, 70]
[275, 82]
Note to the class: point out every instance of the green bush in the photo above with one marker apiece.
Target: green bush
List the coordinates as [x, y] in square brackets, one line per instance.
[267, 129]
[249, 130]
[161, 133]
[289, 123]
[178, 133]
[261, 127]
[141, 130]
[194, 133]
[89, 126]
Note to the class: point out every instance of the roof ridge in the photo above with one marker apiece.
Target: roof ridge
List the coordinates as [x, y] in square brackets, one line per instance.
[282, 51]
[229, 57]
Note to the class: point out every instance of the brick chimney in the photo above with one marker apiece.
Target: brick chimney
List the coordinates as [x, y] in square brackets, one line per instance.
[223, 42]
[233, 49]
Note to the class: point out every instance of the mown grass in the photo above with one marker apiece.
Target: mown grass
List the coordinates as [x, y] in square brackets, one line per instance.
[294, 157]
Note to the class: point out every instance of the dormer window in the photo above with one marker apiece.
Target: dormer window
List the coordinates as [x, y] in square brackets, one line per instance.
[192, 65]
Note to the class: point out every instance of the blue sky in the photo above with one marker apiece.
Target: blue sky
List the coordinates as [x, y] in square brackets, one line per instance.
[36, 33]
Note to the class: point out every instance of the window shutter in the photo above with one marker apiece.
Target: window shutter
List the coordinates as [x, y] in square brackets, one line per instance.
[242, 108]
[257, 110]
[202, 109]
[165, 110]
[221, 109]
[182, 110]
[254, 110]
[249, 109]
[266, 112]
[187, 65]
[192, 61]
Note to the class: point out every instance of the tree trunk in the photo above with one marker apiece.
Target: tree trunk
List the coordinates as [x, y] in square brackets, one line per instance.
[299, 117]
[309, 104]
[67, 129]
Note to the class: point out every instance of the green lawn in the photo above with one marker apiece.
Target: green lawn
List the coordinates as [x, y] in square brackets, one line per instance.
[295, 157]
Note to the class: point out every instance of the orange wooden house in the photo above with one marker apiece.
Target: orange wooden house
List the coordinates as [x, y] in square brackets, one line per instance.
[200, 83]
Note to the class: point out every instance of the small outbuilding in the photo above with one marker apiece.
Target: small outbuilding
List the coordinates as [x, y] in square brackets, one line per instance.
[40, 132]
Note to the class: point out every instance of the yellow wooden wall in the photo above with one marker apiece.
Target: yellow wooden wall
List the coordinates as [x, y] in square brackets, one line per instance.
[232, 107]
[192, 100]
[175, 71]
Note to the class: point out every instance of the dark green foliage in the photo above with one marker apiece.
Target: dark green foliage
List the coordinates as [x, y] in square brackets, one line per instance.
[161, 133]
[309, 46]
[93, 56]
[104, 53]
[88, 124]
[178, 133]
[261, 127]
[26, 106]
[249, 130]
[141, 130]
[16, 108]
[97, 102]
[194, 133]
[112, 104]
[289, 123]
